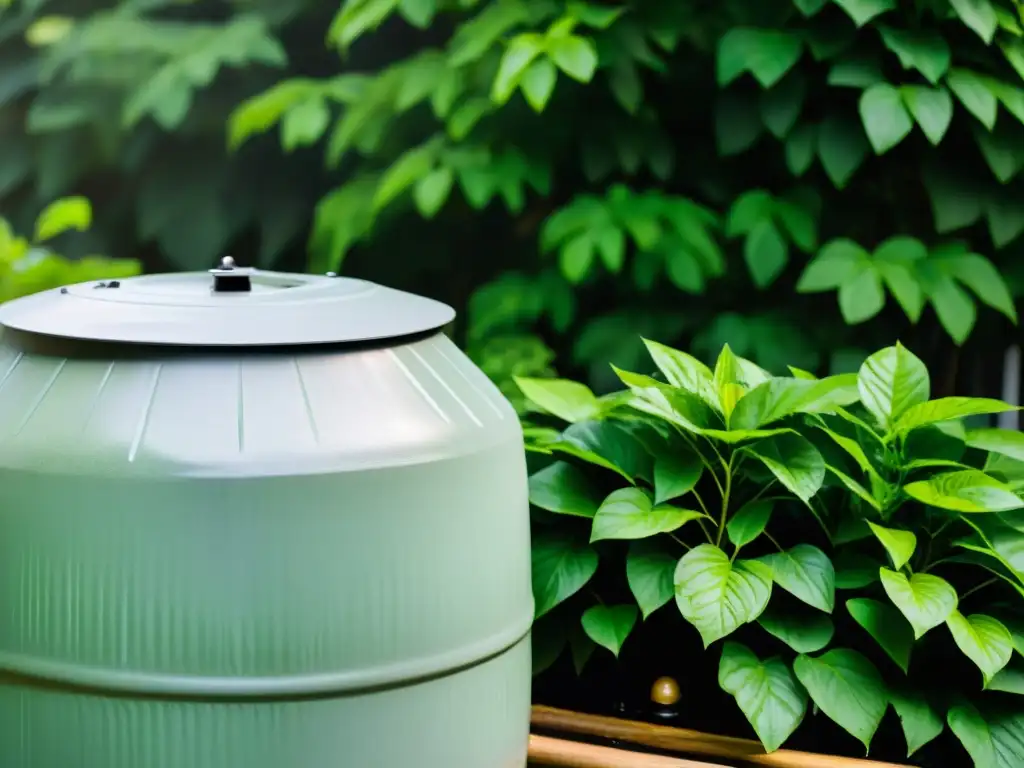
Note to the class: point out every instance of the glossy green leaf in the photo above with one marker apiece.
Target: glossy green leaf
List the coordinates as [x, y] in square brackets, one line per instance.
[1010, 679]
[924, 599]
[923, 49]
[63, 215]
[749, 522]
[947, 408]
[800, 147]
[538, 83]
[972, 90]
[518, 56]
[766, 692]
[676, 474]
[305, 123]
[576, 56]
[855, 570]
[806, 573]
[832, 267]
[794, 462]
[683, 370]
[609, 625]
[954, 307]
[780, 397]
[716, 595]
[886, 626]
[973, 732]
[981, 276]
[608, 444]
[630, 513]
[432, 191]
[568, 400]
[931, 108]
[885, 117]
[767, 54]
[847, 688]
[561, 566]
[766, 253]
[979, 15]
[861, 296]
[803, 631]
[565, 490]
[1006, 442]
[650, 573]
[892, 381]
[984, 640]
[863, 11]
[921, 725]
[842, 148]
[899, 545]
[409, 168]
[968, 490]
[781, 105]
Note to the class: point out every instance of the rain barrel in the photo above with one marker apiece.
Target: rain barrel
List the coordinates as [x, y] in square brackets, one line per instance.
[256, 520]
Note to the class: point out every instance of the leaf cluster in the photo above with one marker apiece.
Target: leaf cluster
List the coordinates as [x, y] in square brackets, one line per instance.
[850, 524]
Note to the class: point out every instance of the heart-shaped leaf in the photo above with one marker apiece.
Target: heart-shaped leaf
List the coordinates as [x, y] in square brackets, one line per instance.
[920, 723]
[650, 572]
[847, 688]
[717, 595]
[564, 489]
[609, 625]
[794, 462]
[803, 631]
[766, 692]
[806, 573]
[984, 640]
[629, 513]
[675, 474]
[561, 566]
[749, 522]
[888, 628]
[900, 545]
[891, 381]
[925, 600]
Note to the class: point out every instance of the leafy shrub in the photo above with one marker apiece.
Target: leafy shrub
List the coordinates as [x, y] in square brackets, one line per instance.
[773, 511]
[125, 101]
[636, 155]
[28, 265]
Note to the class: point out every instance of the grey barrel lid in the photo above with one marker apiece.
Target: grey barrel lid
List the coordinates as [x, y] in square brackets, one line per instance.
[227, 307]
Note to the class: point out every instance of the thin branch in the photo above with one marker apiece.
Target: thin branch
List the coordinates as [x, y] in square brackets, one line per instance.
[680, 541]
[983, 584]
[773, 541]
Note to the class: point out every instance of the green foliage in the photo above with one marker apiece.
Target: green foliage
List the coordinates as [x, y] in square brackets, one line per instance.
[648, 153]
[27, 265]
[748, 501]
[126, 100]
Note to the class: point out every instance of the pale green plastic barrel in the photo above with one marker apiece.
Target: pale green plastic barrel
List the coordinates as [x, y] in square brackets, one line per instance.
[284, 527]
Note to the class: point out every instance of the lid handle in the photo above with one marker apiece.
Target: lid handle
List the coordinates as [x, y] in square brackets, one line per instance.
[229, 278]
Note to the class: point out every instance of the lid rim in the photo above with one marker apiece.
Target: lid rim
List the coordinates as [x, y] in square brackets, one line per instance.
[182, 310]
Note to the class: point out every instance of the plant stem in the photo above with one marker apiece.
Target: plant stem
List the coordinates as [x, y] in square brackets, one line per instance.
[773, 541]
[761, 492]
[821, 521]
[725, 501]
[686, 546]
[710, 467]
[983, 584]
[707, 533]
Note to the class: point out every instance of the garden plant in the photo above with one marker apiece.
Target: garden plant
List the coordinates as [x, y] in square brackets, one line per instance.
[833, 544]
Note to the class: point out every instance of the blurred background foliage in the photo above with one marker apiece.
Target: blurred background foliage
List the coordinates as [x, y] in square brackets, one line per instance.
[803, 179]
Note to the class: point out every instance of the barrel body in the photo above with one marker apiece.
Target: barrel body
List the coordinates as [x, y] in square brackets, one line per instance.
[238, 560]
